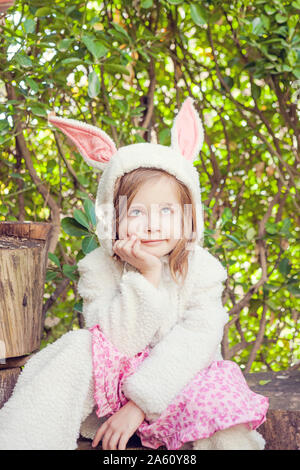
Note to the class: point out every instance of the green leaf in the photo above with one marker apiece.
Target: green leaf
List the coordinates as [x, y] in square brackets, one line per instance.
[23, 60]
[280, 18]
[93, 85]
[89, 244]
[294, 290]
[227, 214]
[44, 11]
[264, 382]
[32, 84]
[270, 287]
[257, 26]
[78, 306]
[122, 105]
[73, 61]
[89, 209]
[285, 229]
[51, 164]
[29, 25]
[83, 180]
[116, 68]
[271, 228]
[73, 228]
[16, 175]
[69, 271]
[64, 45]
[164, 136]
[54, 258]
[198, 14]
[175, 2]
[81, 218]
[38, 111]
[147, 3]
[4, 126]
[284, 266]
[270, 9]
[109, 120]
[96, 48]
[233, 238]
[122, 31]
[255, 90]
[50, 276]
[292, 57]
[229, 81]
[250, 234]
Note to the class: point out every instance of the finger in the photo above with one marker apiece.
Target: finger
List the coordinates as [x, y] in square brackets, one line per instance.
[99, 434]
[123, 442]
[136, 248]
[120, 244]
[106, 438]
[126, 248]
[113, 441]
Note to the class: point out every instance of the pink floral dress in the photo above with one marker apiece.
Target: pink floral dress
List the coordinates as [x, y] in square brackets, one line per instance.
[216, 398]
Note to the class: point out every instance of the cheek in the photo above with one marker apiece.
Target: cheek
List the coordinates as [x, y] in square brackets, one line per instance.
[171, 226]
[130, 226]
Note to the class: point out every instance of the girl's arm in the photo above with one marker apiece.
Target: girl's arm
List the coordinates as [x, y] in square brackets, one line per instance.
[189, 347]
[127, 307]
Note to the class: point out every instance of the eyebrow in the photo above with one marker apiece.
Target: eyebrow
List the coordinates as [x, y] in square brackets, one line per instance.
[161, 204]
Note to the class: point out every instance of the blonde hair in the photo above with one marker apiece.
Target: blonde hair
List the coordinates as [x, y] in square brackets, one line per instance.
[129, 184]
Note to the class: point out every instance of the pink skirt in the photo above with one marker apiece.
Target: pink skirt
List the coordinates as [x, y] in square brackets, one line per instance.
[217, 398]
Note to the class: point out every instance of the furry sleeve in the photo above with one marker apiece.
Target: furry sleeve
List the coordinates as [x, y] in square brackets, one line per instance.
[189, 347]
[127, 307]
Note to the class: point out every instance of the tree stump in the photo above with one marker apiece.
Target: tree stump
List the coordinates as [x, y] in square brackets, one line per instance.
[23, 263]
[281, 429]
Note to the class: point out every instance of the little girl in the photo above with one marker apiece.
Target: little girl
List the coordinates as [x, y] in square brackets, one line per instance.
[149, 359]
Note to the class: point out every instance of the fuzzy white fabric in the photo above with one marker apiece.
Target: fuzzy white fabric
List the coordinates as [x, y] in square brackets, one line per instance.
[51, 398]
[237, 437]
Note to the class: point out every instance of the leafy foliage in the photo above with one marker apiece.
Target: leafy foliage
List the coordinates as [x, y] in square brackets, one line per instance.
[107, 63]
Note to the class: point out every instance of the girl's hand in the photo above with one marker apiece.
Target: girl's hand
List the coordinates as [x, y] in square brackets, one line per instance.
[116, 431]
[130, 250]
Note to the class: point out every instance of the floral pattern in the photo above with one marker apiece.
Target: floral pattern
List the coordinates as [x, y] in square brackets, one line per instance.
[217, 398]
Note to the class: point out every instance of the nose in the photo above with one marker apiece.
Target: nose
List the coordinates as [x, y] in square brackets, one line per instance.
[153, 221]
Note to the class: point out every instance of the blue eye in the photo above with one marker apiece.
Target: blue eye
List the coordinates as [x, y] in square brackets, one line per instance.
[168, 208]
[134, 210]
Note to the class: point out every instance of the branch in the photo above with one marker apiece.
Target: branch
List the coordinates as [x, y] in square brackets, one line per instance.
[150, 97]
[258, 341]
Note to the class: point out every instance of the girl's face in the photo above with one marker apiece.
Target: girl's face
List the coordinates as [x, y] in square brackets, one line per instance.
[155, 216]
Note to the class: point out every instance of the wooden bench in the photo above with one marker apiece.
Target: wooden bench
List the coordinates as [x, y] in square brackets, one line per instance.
[281, 429]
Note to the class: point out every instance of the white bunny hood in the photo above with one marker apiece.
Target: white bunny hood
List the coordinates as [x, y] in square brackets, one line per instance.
[99, 151]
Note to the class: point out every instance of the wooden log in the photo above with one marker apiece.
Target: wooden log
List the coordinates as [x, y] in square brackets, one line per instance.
[8, 379]
[281, 430]
[23, 262]
[14, 362]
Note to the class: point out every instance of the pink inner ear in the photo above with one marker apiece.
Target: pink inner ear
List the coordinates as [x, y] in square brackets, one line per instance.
[92, 143]
[187, 130]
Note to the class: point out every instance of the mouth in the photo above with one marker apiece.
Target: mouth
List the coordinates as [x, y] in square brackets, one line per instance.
[152, 241]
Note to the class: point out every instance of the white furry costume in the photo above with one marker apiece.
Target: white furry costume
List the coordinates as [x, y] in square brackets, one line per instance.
[183, 325]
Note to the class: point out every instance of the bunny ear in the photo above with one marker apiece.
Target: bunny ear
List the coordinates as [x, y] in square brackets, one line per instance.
[95, 145]
[187, 133]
